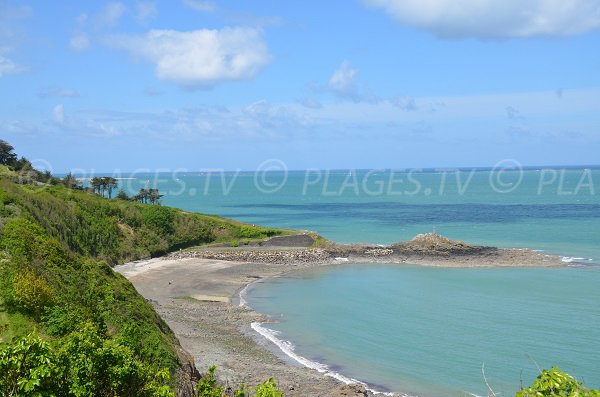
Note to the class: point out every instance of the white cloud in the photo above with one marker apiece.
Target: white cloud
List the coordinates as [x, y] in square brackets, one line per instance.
[145, 11]
[342, 82]
[495, 19]
[110, 15]
[58, 114]
[7, 66]
[200, 5]
[201, 58]
[79, 42]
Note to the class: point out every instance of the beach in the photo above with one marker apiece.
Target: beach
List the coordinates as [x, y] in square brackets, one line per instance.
[198, 294]
[199, 300]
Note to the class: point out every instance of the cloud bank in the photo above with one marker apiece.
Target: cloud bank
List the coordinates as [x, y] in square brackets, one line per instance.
[494, 19]
[200, 58]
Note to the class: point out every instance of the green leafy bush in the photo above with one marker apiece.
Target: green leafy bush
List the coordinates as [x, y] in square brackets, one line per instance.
[255, 232]
[87, 364]
[32, 292]
[160, 218]
[208, 385]
[28, 368]
[268, 389]
[556, 383]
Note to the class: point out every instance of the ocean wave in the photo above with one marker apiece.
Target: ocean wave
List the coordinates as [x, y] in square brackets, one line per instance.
[242, 294]
[288, 349]
[571, 259]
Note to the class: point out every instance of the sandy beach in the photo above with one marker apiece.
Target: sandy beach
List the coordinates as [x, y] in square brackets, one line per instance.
[199, 299]
[197, 294]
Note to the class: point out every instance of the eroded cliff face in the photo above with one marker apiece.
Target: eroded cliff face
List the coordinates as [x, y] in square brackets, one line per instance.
[186, 375]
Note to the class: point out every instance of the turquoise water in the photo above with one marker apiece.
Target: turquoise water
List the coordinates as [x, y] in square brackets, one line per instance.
[553, 210]
[428, 331]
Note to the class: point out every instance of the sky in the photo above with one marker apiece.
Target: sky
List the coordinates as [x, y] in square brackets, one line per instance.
[210, 84]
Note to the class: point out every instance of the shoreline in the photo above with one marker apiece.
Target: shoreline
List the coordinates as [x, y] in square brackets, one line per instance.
[200, 295]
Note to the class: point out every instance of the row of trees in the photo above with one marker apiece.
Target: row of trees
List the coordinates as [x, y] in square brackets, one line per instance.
[146, 196]
[106, 185]
[102, 185]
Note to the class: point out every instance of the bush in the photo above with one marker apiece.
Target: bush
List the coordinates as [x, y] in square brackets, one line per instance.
[60, 320]
[159, 218]
[253, 232]
[208, 385]
[28, 367]
[556, 383]
[88, 364]
[268, 389]
[31, 292]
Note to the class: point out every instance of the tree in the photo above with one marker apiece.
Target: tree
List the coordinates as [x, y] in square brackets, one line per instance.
[142, 196]
[7, 155]
[71, 182]
[154, 196]
[122, 195]
[110, 183]
[22, 164]
[96, 184]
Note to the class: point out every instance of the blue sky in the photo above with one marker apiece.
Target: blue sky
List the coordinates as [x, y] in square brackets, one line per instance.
[202, 84]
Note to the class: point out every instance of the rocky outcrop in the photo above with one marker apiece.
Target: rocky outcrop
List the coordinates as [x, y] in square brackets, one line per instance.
[186, 376]
[427, 249]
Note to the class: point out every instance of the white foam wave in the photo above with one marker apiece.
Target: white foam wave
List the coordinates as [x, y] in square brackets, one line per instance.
[242, 294]
[340, 259]
[288, 349]
[571, 259]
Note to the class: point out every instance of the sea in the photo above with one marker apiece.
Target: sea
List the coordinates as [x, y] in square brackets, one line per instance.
[423, 331]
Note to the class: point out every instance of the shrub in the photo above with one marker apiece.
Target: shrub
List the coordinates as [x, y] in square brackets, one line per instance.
[28, 368]
[208, 385]
[268, 389]
[556, 383]
[31, 292]
[251, 232]
[62, 319]
[159, 218]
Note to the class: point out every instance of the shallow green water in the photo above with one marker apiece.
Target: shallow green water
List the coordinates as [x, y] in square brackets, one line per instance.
[428, 331]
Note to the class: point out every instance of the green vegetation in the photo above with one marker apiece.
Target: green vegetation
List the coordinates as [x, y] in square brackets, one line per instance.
[116, 231]
[556, 383]
[210, 387]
